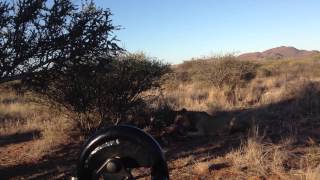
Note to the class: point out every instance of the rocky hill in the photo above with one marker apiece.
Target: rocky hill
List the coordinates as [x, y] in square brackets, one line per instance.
[282, 52]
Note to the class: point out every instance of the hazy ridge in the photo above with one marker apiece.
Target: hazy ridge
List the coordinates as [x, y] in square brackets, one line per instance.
[282, 52]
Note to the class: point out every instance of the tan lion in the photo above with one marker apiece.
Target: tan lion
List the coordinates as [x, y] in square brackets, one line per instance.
[199, 123]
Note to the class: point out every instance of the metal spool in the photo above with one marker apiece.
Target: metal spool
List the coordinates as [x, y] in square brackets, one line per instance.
[113, 152]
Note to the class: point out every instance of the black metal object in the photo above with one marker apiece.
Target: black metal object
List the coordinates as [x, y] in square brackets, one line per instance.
[113, 152]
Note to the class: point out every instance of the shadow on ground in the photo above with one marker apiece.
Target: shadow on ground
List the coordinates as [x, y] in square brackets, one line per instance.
[295, 116]
[19, 137]
[58, 165]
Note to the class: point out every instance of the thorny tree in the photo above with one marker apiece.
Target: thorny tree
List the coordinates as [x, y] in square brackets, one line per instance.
[38, 36]
[70, 55]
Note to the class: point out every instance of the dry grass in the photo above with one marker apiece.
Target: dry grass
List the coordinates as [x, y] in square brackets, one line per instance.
[309, 168]
[258, 158]
[265, 160]
[283, 95]
[274, 81]
[201, 168]
[23, 114]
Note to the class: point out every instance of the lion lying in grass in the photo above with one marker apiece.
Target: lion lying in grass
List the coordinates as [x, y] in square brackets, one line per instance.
[199, 123]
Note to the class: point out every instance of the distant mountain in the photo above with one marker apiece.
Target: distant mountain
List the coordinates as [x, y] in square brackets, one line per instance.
[278, 53]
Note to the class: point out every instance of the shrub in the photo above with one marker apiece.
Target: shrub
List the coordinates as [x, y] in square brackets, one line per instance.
[108, 91]
[229, 72]
[218, 71]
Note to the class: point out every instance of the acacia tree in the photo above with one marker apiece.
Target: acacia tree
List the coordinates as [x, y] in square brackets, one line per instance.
[69, 54]
[38, 37]
[108, 93]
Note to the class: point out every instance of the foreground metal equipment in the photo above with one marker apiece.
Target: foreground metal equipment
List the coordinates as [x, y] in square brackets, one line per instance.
[114, 152]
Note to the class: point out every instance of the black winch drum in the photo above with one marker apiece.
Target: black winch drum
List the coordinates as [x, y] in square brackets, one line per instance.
[113, 152]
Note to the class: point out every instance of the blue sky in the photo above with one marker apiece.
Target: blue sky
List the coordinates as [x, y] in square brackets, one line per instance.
[177, 30]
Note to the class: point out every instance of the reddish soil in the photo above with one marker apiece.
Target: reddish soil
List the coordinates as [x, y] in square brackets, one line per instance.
[16, 164]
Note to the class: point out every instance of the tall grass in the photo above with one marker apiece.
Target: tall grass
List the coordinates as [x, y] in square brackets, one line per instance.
[258, 158]
[283, 96]
[227, 83]
[24, 113]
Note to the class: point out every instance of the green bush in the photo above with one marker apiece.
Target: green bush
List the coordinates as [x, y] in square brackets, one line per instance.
[107, 91]
[228, 72]
[218, 72]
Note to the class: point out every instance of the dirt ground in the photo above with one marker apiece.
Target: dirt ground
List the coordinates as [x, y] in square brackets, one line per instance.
[184, 158]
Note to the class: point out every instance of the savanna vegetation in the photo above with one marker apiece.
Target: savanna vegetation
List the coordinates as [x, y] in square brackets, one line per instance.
[63, 76]
[280, 98]
[70, 78]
